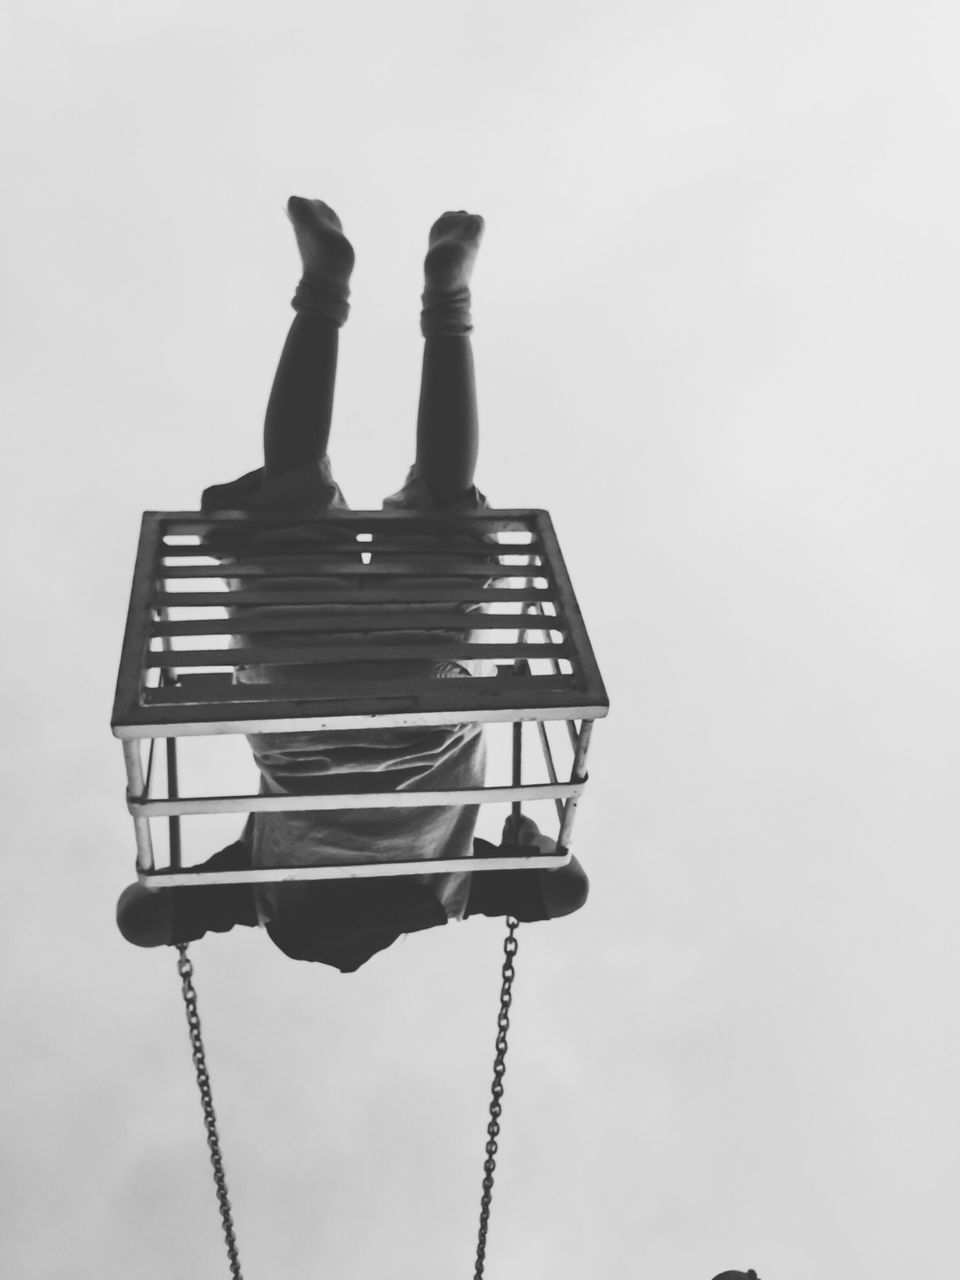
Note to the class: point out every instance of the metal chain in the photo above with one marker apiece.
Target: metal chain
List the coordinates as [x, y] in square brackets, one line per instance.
[185, 969]
[499, 1067]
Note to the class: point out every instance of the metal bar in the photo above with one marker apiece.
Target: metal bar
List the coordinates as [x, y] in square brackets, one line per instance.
[505, 520]
[169, 677]
[354, 871]
[522, 666]
[173, 794]
[411, 592]
[148, 781]
[136, 791]
[324, 567]
[314, 653]
[579, 775]
[548, 757]
[439, 549]
[223, 718]
[354, 800]
[516, 811]
[537, 610]
[375, 691]
[314, 618]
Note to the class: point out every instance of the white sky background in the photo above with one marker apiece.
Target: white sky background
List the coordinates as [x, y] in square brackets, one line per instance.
[715, 335]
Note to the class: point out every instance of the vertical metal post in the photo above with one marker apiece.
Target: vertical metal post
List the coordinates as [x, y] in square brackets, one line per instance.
[168, 676]
[519, 665]
[515, 810]
[551, 767]
[578, 773]
[173, 792]
[136, 790]
[536, 608]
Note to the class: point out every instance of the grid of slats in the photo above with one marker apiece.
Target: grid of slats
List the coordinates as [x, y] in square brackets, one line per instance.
[351, 614]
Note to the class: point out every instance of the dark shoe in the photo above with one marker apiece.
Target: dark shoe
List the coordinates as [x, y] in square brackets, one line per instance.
[167, 917]
[145, 917]
[527, 895]
[564, 890]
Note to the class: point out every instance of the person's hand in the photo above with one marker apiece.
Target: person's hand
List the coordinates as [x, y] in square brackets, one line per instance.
[527, 832]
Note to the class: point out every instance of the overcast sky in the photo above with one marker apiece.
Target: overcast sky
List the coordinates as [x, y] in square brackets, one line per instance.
[716, 317]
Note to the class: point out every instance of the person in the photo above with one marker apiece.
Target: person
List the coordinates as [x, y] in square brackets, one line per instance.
[737, 1275]
[344, 922]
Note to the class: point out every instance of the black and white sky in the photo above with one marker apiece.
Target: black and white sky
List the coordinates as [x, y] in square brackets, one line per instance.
[716, 321]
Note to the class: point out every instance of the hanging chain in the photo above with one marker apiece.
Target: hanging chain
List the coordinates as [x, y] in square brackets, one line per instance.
[185, 969]
[499, 1067]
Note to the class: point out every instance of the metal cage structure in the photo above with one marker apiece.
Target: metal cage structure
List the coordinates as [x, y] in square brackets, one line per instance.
[217, 595]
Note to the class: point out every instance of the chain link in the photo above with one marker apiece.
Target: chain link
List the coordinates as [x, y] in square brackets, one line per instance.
[496, 1092]
[185, 969]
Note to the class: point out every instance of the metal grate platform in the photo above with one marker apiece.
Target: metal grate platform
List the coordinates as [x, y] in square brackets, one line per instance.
[395, 579]
[243, 623]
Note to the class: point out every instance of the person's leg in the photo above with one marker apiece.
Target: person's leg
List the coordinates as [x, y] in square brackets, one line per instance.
[300, 408]
[447, 424]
